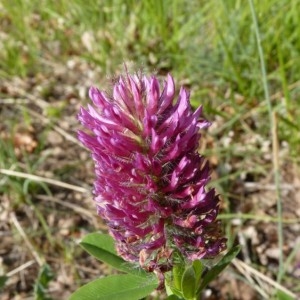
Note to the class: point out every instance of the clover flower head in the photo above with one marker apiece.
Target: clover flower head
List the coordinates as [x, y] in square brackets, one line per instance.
[151, 181]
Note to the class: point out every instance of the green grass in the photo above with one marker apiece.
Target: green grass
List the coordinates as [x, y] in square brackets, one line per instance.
[210, 45]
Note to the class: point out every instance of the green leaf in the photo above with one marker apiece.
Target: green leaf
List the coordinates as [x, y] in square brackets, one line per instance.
[100, 240]
[198, 268]
[281, 295]
[219, 267]
[102, 247]
[116, 287]
[188, 283]
[173, 297]
[173, 282]
[177, 273]
[42, 282]
[2, 281]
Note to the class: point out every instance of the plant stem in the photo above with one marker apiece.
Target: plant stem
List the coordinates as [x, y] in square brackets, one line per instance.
[273, 127]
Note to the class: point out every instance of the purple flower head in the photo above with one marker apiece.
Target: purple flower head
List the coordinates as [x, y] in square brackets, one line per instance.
[150, 179]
